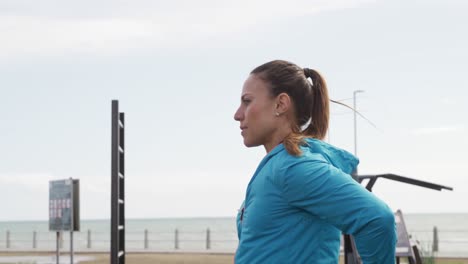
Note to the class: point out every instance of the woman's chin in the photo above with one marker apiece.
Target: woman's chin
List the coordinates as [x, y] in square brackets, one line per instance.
[250, 144]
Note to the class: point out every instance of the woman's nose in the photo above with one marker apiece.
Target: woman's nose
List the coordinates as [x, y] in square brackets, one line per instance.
[238, 115]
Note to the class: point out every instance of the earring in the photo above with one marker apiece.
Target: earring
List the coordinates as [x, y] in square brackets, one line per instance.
[277, 114]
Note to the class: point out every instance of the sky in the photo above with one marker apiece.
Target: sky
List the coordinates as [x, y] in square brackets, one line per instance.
[177, 69]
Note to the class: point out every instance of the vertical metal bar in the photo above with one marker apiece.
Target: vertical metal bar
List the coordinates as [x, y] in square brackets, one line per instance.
[72, 222]
[122, 185]
[34, 239]
[435, 240]
[417, 256]
[58, 248]
[146, 239]
[355, 123]
[114, 183]
[176, 239]
[89, 239]
[8, 239]
[350, 253]
[355, 126]
[208, 239]
[61, 239]
[71, 246]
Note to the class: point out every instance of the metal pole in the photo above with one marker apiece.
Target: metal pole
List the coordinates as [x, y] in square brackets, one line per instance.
[58, 247]
[355, 119]
[61, 239]
[8, 239]
[146, 238]
[435, 240]
[114, 250]
[89, 239]
[176, 239]
[34, 239]
[355, 122]
[355, 127]
[208, 239]
[71, 246]
[72, 227]
[350, 251]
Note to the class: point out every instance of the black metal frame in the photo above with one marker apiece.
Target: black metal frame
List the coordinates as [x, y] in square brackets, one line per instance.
[373, 178]
[117, 187]
[351, 254]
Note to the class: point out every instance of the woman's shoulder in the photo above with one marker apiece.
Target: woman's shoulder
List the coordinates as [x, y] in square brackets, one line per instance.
[333, 155]
[315, 152]
[284, 160]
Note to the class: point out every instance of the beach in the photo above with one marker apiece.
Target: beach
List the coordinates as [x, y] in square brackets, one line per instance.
[103, 258]
[161, 258]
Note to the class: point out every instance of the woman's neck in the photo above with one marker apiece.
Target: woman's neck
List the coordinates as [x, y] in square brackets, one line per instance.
[277, 138]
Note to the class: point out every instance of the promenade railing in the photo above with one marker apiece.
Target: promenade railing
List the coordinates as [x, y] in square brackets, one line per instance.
[451, 243]
[145, 240]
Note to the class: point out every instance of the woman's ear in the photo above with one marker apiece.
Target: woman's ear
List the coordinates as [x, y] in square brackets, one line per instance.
[283, 103]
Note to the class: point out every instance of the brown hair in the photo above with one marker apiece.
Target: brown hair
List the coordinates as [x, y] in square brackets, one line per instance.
[310, 99]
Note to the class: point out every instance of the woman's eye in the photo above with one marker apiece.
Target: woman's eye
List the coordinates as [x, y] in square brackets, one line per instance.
[245, 101]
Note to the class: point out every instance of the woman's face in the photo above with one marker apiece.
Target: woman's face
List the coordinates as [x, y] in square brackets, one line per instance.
[256, 113]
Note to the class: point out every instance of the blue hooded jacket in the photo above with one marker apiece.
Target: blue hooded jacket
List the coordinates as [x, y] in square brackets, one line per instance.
[296, 208]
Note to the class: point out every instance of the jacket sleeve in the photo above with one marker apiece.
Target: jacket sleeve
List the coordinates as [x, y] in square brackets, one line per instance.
[328, 193]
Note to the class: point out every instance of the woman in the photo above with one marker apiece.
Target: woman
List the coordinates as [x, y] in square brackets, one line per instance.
[301, 197]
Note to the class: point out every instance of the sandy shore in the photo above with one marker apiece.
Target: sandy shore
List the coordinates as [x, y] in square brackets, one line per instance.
[170, 258]
[161, 258]
[135, 258]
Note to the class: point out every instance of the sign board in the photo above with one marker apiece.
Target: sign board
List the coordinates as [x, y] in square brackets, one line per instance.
[403, 247]
[64, 204]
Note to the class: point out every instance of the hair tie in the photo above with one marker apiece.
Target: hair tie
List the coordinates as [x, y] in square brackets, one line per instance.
[309, 73]
[312, 74]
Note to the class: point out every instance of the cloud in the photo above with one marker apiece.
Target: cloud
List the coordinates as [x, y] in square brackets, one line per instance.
[437, 130]
[40, 181]
[48, 28]
[34, 180]
[38, 35]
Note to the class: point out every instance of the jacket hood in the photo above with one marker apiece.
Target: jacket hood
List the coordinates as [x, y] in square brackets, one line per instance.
[339, 158]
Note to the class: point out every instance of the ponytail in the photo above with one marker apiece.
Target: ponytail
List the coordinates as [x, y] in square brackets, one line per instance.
[316, 117]
[319, 106]
[292, 142]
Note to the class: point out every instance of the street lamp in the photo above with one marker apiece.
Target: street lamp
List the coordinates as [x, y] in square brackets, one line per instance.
[355, 126]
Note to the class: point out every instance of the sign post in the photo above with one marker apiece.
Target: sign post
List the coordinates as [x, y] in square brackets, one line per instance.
[71, 224]
[64, 211]
[58, 247]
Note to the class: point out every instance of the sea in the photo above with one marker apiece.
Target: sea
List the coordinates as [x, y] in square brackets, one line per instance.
[215, 235]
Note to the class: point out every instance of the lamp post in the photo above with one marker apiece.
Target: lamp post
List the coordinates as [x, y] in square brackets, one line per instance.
[349, 246]
[355, 125]
[355, 128]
